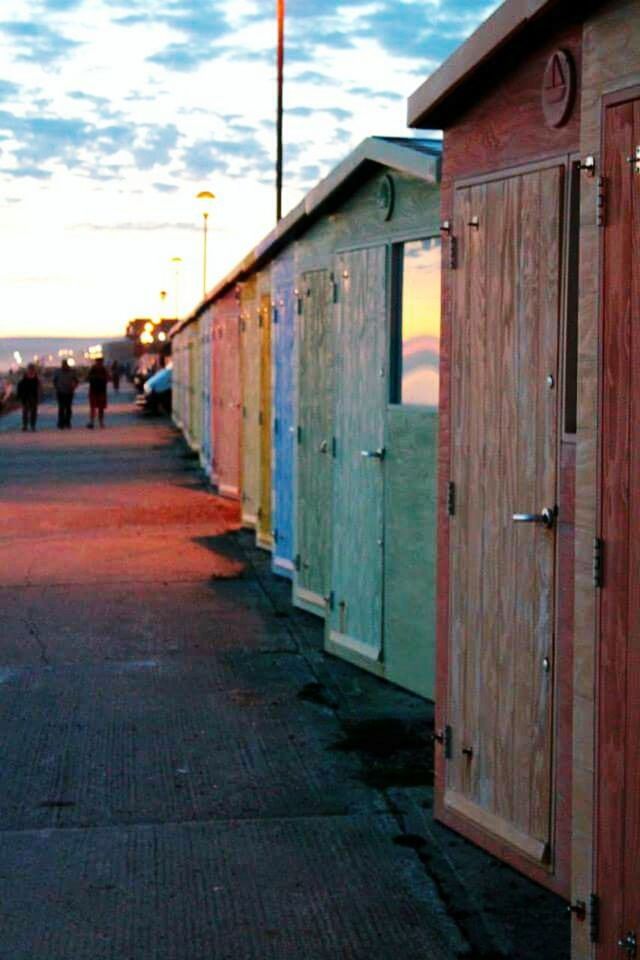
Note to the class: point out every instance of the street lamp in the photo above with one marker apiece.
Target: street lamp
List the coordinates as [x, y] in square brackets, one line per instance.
[177, 262]
[206, 198]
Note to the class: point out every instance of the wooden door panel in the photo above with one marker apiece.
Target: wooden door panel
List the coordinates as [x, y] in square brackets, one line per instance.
[504, 432]
[283, 424]
[360, 398]
[313, 487]
[618, 762]
[264, 517]
[227, 389]
[251, 403]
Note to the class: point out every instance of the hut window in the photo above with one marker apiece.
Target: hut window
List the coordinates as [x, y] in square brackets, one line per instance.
[416, 323]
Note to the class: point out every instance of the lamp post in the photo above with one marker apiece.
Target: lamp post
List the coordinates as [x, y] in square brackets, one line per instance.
[177, 261]
[279, 150]
[206, 198]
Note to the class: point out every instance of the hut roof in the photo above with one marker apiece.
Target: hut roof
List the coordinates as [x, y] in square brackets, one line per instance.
[456, 80]
[419, 157]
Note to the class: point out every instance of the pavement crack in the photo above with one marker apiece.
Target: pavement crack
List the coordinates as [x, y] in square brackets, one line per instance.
[33, 631]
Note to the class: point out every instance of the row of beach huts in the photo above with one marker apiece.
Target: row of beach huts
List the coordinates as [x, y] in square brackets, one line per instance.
[423, 388]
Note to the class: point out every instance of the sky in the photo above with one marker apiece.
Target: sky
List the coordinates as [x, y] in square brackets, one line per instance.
[114, 114]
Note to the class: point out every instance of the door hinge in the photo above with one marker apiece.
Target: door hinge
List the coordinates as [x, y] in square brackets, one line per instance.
[451, 498]
[297, 563]
[299, 434]
[243, 325]
[452, 259]
[260, 418]
[629, 944]
[244, 413]
[445, 739]
[594, 918]
[598, 550]
[601, 201]
[334, 288]
[274, 315]
[259, 513]
[334, 447]
[299, 306]
[330, 600]
[274, 534]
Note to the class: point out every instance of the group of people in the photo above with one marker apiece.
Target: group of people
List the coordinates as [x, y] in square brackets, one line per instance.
[65, 383]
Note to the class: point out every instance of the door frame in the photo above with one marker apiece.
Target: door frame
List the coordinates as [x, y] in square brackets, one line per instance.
[615, 98]
[554, 874]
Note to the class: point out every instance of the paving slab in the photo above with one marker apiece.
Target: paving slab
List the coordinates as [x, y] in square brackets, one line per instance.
[251, 890]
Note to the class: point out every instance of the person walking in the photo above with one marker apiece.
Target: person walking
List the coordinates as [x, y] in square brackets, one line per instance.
[98, 379]
[65, 383]
[115, 375]
[29, 395]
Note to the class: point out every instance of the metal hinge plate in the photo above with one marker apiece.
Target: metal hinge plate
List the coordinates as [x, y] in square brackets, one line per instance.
[299, 434]
[601, 202]
[297, 564]
[451, 498]
[334, 447]
[598, 548]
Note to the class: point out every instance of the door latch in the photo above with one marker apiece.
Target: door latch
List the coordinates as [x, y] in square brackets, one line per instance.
[378, 454]
[547, 517]
[635, 160]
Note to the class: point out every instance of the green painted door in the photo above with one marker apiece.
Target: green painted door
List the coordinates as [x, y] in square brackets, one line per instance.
[410, 547]
[355, 619]
[313, 460]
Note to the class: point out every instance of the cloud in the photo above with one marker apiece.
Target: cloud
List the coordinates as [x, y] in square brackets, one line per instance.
[36, 173]
[241, 157]
[370, 93]
[165, 187]
[36, 42]
[157, 146]
[8, 89]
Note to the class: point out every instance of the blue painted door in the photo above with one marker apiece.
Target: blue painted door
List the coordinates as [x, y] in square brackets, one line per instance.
[283, 412]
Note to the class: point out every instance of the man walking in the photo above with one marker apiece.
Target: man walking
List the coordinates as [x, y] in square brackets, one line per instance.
[29, 393]
[65, 383]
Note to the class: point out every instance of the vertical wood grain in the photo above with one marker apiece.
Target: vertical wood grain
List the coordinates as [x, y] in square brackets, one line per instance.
[250, 402]
[358, 486]
[619, 591]
[264, 519]
[505, 326]
[283, 345]
[315, 386]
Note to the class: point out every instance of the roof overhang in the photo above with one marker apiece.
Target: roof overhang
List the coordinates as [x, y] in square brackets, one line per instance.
[419, 159]
[431, 105]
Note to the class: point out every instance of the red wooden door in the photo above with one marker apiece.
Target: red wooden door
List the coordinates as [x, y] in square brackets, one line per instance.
[618, 773]
[497, 785]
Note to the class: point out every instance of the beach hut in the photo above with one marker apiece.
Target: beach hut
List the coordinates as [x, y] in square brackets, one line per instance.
[206, 398]
[283, 424]
[226, 404]
[250, 379]
[265, 305]
[538, 633]
[368, 279]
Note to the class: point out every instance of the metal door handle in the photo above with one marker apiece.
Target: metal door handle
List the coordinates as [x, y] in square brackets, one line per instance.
[547, 517]
[373, 454]
[323, 446]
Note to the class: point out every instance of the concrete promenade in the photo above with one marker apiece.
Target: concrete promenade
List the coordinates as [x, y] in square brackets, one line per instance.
[183, 774]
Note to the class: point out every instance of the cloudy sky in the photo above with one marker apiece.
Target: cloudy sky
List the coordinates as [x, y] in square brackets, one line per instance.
[115, 113]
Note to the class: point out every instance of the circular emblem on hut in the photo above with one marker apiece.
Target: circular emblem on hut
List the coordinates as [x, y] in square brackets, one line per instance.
[558, 88]
[386, 196]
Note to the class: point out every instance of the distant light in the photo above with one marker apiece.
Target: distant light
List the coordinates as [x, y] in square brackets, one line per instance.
[162, 336]
[148, 325]
[146, 337]
[71, 361]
